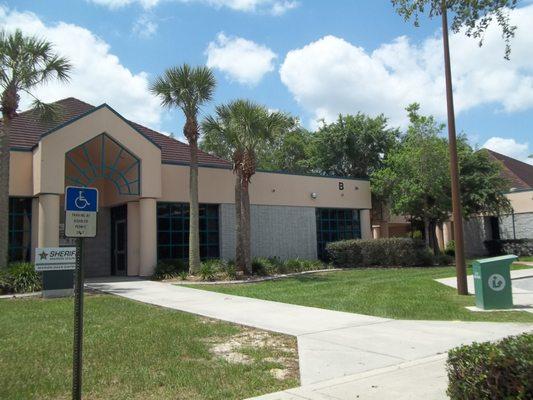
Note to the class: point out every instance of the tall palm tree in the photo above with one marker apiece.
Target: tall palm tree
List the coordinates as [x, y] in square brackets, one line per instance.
[25, 63]
[188, 88]
[243, 126]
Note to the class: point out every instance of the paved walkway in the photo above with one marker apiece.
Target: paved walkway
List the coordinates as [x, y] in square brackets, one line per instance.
[342, 355]
[521, 280]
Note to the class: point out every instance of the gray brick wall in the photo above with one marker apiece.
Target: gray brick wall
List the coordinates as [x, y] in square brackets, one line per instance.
[476, 231]
[277, 231]
[523, 225]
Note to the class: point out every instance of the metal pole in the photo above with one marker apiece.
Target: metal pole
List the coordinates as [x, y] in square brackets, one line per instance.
[77, 359]
[460, 266]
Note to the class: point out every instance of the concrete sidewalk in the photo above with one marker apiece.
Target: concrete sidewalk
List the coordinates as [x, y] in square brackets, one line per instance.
[338, 351]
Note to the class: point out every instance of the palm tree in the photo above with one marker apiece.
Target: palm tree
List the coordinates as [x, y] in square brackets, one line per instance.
[242, 126]
[25, 63]
[188, 88]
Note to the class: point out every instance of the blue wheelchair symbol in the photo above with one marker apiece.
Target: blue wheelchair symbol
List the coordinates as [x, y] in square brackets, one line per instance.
[81, 199]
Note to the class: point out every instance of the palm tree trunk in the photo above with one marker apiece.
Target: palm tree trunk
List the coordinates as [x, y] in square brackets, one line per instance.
[194, 231]
[4, 190]
[246, 231]
[240, 264]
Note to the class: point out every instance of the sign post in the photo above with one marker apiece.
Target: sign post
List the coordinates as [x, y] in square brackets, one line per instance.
[81, 207]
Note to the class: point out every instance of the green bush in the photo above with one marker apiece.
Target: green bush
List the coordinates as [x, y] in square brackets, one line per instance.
[393, 252]
[443, 259]
[487, 371]
[208, 269]
[450, 248]
[168, 269]
[20, 277]
[267, 266]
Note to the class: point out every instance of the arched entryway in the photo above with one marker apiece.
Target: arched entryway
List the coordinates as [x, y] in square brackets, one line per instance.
[114, 170]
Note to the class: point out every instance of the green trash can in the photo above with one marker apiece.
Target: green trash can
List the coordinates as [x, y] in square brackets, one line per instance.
[492, 282]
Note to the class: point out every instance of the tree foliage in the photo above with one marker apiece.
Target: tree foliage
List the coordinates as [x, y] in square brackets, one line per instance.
[354, 145]
[416, 178]
[474, 16]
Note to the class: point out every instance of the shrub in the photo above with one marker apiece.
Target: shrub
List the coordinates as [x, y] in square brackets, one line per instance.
[443, 259]
[518, 247]
[20, 277]
[379, 252]
[486, 371]
[267, 266]
[168, 269]
[208, 269]
[450, 248]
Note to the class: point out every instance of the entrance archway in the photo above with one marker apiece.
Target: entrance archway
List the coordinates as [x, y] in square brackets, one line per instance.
[115, 171]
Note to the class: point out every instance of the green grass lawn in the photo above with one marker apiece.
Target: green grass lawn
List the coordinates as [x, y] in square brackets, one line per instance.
[528, 259]
[133, 351]
[407, 293]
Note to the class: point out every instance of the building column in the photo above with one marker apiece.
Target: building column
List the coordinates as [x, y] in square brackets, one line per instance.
[134, 238]
[48, 217]
[447, 232]
[366, 229]
[376, 231]
[440, 236]
[148, 236]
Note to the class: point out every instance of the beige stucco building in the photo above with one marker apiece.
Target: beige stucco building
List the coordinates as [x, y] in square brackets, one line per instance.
[142, 177]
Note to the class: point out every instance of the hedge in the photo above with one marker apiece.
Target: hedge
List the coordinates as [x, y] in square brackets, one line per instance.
[490, 371]
[379, 252]
[518, 247]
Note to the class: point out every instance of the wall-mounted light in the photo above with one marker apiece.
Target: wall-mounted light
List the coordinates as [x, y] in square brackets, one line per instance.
[314, 195]
[357, 188]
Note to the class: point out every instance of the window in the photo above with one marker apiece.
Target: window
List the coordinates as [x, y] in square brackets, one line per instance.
[334, 224]
[173, 231]
[19, 229]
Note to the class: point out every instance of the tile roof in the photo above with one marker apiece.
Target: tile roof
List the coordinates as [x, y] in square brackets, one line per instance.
[27, 129]
[519, 173]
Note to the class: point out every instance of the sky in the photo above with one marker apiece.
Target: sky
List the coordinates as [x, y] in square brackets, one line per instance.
[311, 58]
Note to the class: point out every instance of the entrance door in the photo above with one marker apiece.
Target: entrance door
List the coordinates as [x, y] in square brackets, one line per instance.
[119, 241]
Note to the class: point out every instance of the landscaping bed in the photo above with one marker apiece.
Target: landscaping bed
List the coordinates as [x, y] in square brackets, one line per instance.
[401, 293]
[137, 351]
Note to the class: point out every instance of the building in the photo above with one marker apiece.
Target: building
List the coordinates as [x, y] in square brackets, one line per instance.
[142, 177]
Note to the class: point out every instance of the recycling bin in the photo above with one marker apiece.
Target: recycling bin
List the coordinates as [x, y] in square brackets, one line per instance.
[492, 282]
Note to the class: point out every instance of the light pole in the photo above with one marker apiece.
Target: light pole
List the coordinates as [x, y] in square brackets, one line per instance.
[460, 266]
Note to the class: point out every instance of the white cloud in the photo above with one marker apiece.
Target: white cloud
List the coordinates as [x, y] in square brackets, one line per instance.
[145, 27]
[511, 148]
[331, 75]
[274, 7]
[240, 59]
[97, 76]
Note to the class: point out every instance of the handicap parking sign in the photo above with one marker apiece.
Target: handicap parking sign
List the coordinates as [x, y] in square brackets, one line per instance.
[81, 207]
[81, 199]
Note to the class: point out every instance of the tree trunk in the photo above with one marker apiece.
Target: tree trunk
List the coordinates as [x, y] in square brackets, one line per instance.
[194, 232]
[4, 189]
[426, 231]
[433, 242]
[240, 264]
[246, 229]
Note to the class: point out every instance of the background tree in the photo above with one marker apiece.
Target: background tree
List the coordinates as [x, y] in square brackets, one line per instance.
[416, 178]
[25, 63]
[353, 146]
[188, 88]
[474, 17]
[240, 128]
